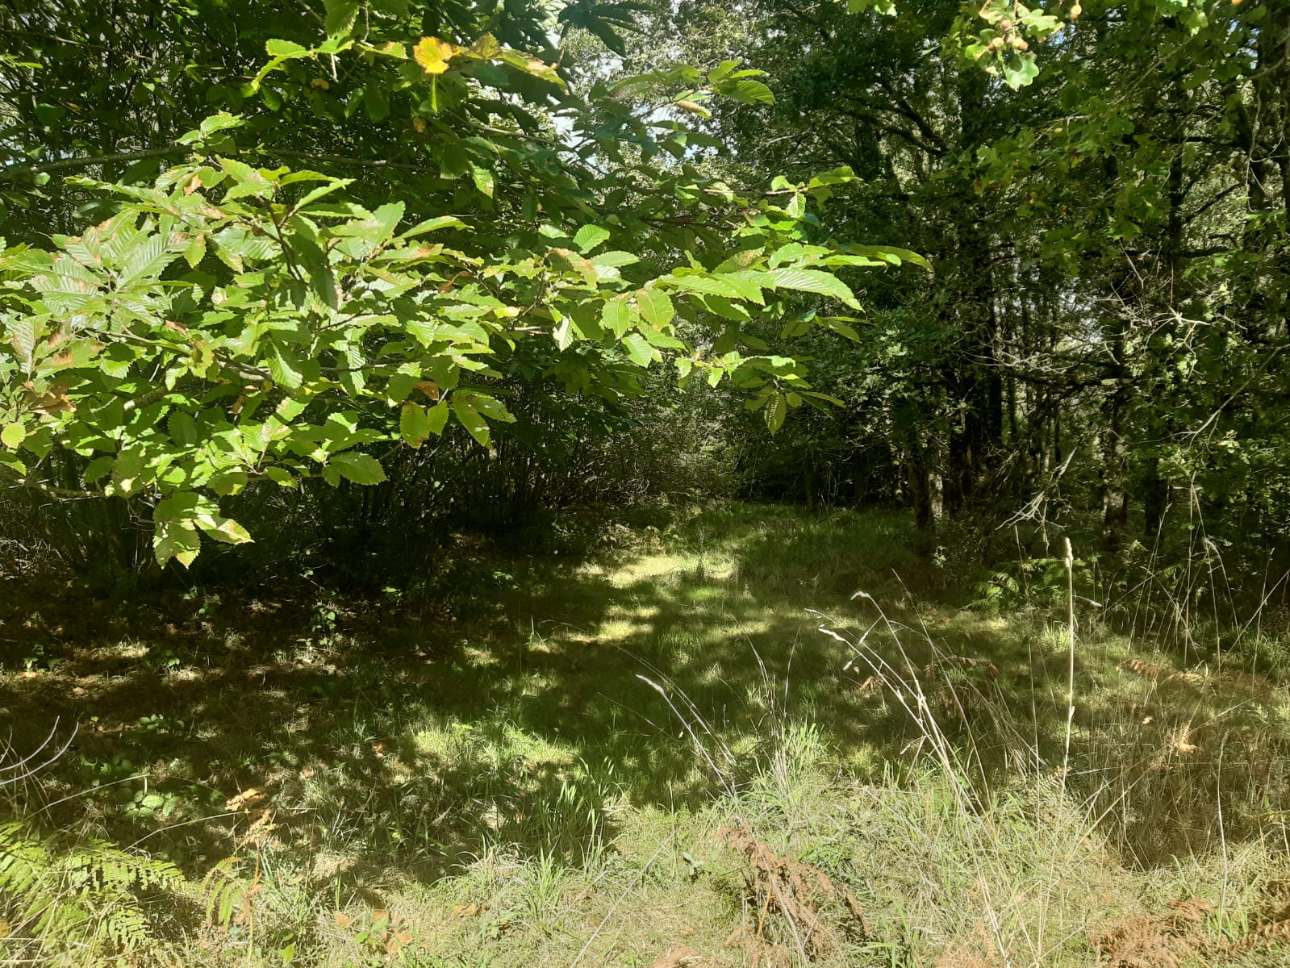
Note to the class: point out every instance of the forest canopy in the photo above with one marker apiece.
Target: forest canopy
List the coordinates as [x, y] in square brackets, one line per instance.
[1022, 260]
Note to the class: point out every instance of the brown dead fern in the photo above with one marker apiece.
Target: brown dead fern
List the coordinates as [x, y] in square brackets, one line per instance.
[795, 893]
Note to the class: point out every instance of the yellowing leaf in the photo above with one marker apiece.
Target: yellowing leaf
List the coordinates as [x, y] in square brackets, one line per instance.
[486, 47]
[434, 54]
[13, 435]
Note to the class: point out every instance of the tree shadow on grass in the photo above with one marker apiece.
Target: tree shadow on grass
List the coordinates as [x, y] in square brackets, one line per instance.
[389, 736]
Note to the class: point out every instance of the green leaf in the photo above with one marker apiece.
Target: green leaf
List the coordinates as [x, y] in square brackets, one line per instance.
[639, 351]
[437, 418]
[1020, 70]
[13, 435]
[529, 65]
[722, 70]
[843, 326]
[815, 281]
[468, 416]
[22, 337]
[483, 179]
[616, 316]
[284, 368]
[176, 539]
[433, 224]
[195, 251]
[563, 333]
[885, 7]
[491, 408]
[375, 103]
[224, 530]
[359, 468]
[340, 17]
[655, 307]
[589, 237]
[713, 285]
[279, 48]
[414, 424]
[147, 260]
[613, 260]
[745, 91]
[776, 411]
[182, 429]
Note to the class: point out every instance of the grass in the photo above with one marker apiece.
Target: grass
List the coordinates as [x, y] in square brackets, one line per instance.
[656, 757]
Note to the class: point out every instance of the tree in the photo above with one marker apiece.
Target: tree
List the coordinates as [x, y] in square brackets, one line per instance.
[1106, 221]
[235, 319]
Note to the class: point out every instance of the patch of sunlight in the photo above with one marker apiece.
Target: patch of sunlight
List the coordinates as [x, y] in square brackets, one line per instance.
[537, 683]
[639, 613]
[994, 623]
[437, 741]
[127, 649]
[643, 569]
[712, 675]
[709, 593]
[1055, 636]
[615, 630]
[483, 657]
[734, 630]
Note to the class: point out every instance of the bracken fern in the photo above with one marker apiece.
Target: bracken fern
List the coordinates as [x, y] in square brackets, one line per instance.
[81, 901]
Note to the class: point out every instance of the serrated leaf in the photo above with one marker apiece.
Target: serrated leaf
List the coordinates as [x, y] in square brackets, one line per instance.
[414, 424]
[195, 251]
[589, 237]
[182, 429]
[616, 316]
[563, 333]
[434, 54]
[375, 103]
[639, 350]
[147, 260]
[776, 411]
[713, 285]
[279, 48]
[284, 369]
[483, 179]
[469, 417]
[13, 435]
[745, 91]
[177, 539]
[359, 468]
[22, 337]
[815, 281]
[615, 259]
[655, 307]
[340, 17]
[529, 65]
[437, 418]
[491, 407]
[433, 224]
[841, 326]
[224, 530]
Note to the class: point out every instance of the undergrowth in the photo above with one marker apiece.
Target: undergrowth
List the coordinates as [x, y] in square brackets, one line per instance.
[702, 749]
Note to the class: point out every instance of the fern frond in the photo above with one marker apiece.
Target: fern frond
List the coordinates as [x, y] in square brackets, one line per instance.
[82, 897]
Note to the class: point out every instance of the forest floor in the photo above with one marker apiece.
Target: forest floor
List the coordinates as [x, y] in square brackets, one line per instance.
[698, 748]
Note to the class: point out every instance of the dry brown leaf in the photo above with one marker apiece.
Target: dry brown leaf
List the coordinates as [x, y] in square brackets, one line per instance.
[246, 799]
[680, 957]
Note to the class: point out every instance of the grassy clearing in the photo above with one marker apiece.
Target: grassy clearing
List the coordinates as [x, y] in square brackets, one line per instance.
[654, 758]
